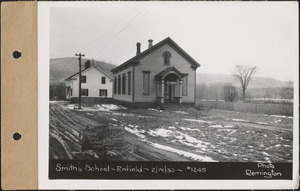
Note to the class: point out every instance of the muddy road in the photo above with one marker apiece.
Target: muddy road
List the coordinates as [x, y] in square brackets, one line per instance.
[66, 127]
[172, 135]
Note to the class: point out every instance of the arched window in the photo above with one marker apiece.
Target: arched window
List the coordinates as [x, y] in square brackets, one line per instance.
[167, 58]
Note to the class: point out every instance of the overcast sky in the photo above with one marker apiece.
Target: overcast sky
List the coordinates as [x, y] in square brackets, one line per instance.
[217, 35]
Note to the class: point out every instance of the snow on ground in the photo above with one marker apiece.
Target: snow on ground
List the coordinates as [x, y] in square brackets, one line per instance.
[228, 126]
[197, 120]
[278, 121]
[152, 109]
[136, 132]
[181, 112]
[180, 137]
[97, 107]
[215, 126]
[262, 123]
[161, 132]
[281, 116]
[184, 153]
[105, 107]
[183, 138]
[240, 120]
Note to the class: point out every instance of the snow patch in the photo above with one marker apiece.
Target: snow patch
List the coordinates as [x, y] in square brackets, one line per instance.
[190, 129]
[135, 132]
[181, 112]
[152, 109]
[104, 107]
[161, 132]
[197, 120]
[262, 123]
[282, 116]
[216, 126]
[184, 153]
[240, 120]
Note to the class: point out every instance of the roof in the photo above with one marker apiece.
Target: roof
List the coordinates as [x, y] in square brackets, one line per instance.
[168, 41]
[87, 69]
[166, 71]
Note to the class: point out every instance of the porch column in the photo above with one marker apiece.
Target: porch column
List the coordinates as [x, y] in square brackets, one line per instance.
[180, 91]
[162, 92]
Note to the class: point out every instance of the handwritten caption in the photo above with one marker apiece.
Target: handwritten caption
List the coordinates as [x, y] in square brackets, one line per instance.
[92, 169]
[156, 169]
[263, 170]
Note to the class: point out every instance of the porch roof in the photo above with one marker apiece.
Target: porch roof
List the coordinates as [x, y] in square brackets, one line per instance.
[168, 70]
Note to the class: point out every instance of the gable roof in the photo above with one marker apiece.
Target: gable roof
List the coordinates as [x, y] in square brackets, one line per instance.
[168, 41]
[87, 69]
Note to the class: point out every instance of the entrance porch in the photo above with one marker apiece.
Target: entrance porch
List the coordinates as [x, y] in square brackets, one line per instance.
[169, 86]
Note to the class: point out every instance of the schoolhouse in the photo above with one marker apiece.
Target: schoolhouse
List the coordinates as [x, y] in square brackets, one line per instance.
[95, 85]
[163, 73]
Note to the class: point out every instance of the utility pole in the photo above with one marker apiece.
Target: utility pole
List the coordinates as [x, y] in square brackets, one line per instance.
[79, 95]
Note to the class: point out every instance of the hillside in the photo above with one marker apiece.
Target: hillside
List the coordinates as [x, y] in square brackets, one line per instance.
[61, 68]
[258, 82]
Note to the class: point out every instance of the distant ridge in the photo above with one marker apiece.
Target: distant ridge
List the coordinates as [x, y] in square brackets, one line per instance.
[258, 82]
[61, 68]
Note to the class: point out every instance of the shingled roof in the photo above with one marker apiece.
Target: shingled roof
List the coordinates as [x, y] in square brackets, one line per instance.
[168, 41]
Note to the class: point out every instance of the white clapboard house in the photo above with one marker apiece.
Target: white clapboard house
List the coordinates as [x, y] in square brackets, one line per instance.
[95, 85]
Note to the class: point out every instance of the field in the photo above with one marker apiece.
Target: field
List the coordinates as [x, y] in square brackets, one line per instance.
[178, 134]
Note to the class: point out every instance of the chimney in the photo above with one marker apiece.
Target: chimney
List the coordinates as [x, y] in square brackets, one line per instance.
[150, 43]
[87, 64]
[138, 48]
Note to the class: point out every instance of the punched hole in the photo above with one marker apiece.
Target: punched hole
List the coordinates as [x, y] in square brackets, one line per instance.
[17, 136]
[17, 54]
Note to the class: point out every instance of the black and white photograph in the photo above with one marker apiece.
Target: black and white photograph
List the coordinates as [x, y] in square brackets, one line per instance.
[169, 90]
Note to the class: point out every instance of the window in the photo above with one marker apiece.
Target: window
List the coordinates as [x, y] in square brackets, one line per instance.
[85, 92]
[103, 92]
[103, 80]
[115, 85]
[68, 90]
[124, 84]
[129, 83]
[119, 84]
[83, 79]
[167, 58]
[185, 85]
[146, 82]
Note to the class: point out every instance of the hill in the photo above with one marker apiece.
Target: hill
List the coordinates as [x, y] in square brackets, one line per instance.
[61, 68]
[258, 82]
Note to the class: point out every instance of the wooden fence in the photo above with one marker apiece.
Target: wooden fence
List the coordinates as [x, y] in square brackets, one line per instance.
[264, 108]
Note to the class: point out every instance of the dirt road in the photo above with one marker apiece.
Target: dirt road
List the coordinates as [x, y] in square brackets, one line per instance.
[66, 127]
[171, 135]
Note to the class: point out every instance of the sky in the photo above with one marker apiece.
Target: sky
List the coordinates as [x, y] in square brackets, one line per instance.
[218, 35]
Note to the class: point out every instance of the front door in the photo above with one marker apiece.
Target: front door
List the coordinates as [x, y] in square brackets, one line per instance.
[169, 92]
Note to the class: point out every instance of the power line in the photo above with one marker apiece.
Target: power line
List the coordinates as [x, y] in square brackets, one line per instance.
[133, 20]
[87, 47]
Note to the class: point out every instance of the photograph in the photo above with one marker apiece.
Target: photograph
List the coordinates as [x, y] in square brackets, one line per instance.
[173, 83]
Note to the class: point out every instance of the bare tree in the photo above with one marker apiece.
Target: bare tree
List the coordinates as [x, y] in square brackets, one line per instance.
[287, 91]
[244, 74]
